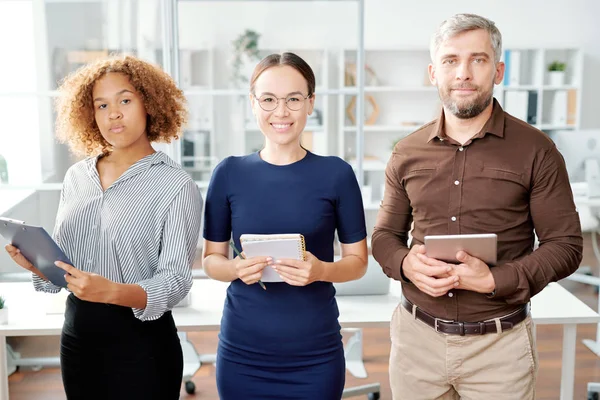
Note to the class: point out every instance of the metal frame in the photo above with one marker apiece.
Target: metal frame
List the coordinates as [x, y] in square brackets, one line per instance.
[171, 65]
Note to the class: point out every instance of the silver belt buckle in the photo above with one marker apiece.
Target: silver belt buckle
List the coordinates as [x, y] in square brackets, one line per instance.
[443, 320]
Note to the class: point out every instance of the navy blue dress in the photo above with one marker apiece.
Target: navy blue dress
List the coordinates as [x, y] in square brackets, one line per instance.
[285, 342]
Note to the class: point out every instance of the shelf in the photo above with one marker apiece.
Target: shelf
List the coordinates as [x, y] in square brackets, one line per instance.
[538, 87]
[559, 87]
[313, 128]
[381, 89]
[521, 87]
[550, 127]
[384, 128]
[208, 91]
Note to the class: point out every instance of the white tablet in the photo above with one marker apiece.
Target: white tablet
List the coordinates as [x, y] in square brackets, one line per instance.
[445, 247]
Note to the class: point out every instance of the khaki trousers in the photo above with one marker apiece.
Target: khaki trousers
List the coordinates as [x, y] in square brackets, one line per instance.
[427, 365]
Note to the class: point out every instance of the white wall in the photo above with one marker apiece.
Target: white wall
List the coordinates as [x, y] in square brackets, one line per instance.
[400, 23]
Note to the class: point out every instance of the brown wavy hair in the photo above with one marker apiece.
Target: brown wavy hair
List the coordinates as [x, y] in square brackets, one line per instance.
[164, 102]
[289, 59]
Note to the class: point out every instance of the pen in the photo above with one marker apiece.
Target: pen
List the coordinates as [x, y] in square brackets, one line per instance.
[262, 285]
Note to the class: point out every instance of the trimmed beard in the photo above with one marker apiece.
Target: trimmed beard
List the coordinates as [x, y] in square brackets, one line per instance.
[472, 109]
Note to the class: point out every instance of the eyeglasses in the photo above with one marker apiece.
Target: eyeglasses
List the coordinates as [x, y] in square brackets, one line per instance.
[268, 102]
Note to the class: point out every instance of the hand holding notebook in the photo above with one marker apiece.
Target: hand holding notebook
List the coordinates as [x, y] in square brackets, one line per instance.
[278, 246]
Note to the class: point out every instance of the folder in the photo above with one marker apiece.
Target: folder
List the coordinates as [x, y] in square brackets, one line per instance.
[37, 246]
[277, 246]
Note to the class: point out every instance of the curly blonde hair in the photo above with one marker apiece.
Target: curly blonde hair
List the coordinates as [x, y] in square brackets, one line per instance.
[164, 102]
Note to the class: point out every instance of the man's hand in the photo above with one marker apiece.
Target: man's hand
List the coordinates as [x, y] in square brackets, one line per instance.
[474, 274]
[431, 276]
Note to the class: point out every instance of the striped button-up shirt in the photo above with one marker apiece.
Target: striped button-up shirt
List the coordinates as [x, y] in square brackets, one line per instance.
[142, 230]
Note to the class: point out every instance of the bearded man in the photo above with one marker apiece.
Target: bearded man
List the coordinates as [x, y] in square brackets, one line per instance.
[463, 330]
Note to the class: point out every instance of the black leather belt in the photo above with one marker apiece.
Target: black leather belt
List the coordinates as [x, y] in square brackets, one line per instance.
[466, 328]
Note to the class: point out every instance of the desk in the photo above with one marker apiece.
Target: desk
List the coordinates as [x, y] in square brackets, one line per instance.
[28, 317]
[586, 206]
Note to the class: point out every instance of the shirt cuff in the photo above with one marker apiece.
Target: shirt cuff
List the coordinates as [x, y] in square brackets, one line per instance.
[506, 280]
[156, 301]
[41, 285]
[397, 260]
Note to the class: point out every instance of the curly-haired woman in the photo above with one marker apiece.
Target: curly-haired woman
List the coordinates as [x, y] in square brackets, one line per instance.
[129, 220]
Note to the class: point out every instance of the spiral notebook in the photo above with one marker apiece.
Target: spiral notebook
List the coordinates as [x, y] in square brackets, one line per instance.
[277, 246]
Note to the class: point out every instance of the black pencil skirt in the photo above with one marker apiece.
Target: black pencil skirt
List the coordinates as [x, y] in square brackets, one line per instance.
[107, 353]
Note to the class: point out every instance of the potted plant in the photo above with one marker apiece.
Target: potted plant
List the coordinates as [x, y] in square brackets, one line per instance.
[3, 312]
[245, 57]
[556, 71]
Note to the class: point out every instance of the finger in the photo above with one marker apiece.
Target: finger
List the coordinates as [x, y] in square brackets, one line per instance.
[418, 248]
[24, 262]
[12, 251]
[71, 279]
[67, 268]
[434, 283]
[256, 260]
[466, 258]
[251, 279]
[434, 262]
[429, 270]
[298, 279]
[290, 262]
[292, 271]
[73, 289]
[433, 291]
[425, 289]
[291, 280]
[252, 269]
[260, 259]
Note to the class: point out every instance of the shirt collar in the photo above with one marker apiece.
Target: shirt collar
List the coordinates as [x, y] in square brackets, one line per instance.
[140, 166]
[494, 125]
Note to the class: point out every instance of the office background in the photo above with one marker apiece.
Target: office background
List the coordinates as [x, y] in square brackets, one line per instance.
[211, 47]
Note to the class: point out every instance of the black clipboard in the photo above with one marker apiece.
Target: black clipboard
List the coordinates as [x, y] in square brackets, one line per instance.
[37, 246]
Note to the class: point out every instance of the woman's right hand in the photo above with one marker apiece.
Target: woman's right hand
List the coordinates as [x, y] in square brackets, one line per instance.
[250, 270]
[20, 259]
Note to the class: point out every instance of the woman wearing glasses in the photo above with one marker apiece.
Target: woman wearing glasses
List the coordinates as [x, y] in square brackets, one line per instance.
[283, 342]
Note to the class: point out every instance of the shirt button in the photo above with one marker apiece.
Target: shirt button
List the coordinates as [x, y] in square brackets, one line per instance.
[450, 294]
[453, 218]
[461, 148]
[455, 182]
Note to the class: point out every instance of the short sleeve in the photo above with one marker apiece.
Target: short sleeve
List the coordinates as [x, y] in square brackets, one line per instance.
[217, 212]
[350, 213]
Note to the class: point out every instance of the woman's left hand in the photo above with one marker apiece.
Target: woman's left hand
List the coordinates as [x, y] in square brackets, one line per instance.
[87, 286]
[300, 273]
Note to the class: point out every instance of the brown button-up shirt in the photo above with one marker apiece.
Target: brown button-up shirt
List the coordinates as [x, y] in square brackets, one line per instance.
[509, 179]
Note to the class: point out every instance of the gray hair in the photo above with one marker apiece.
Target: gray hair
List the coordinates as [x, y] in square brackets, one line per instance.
[460, 23]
